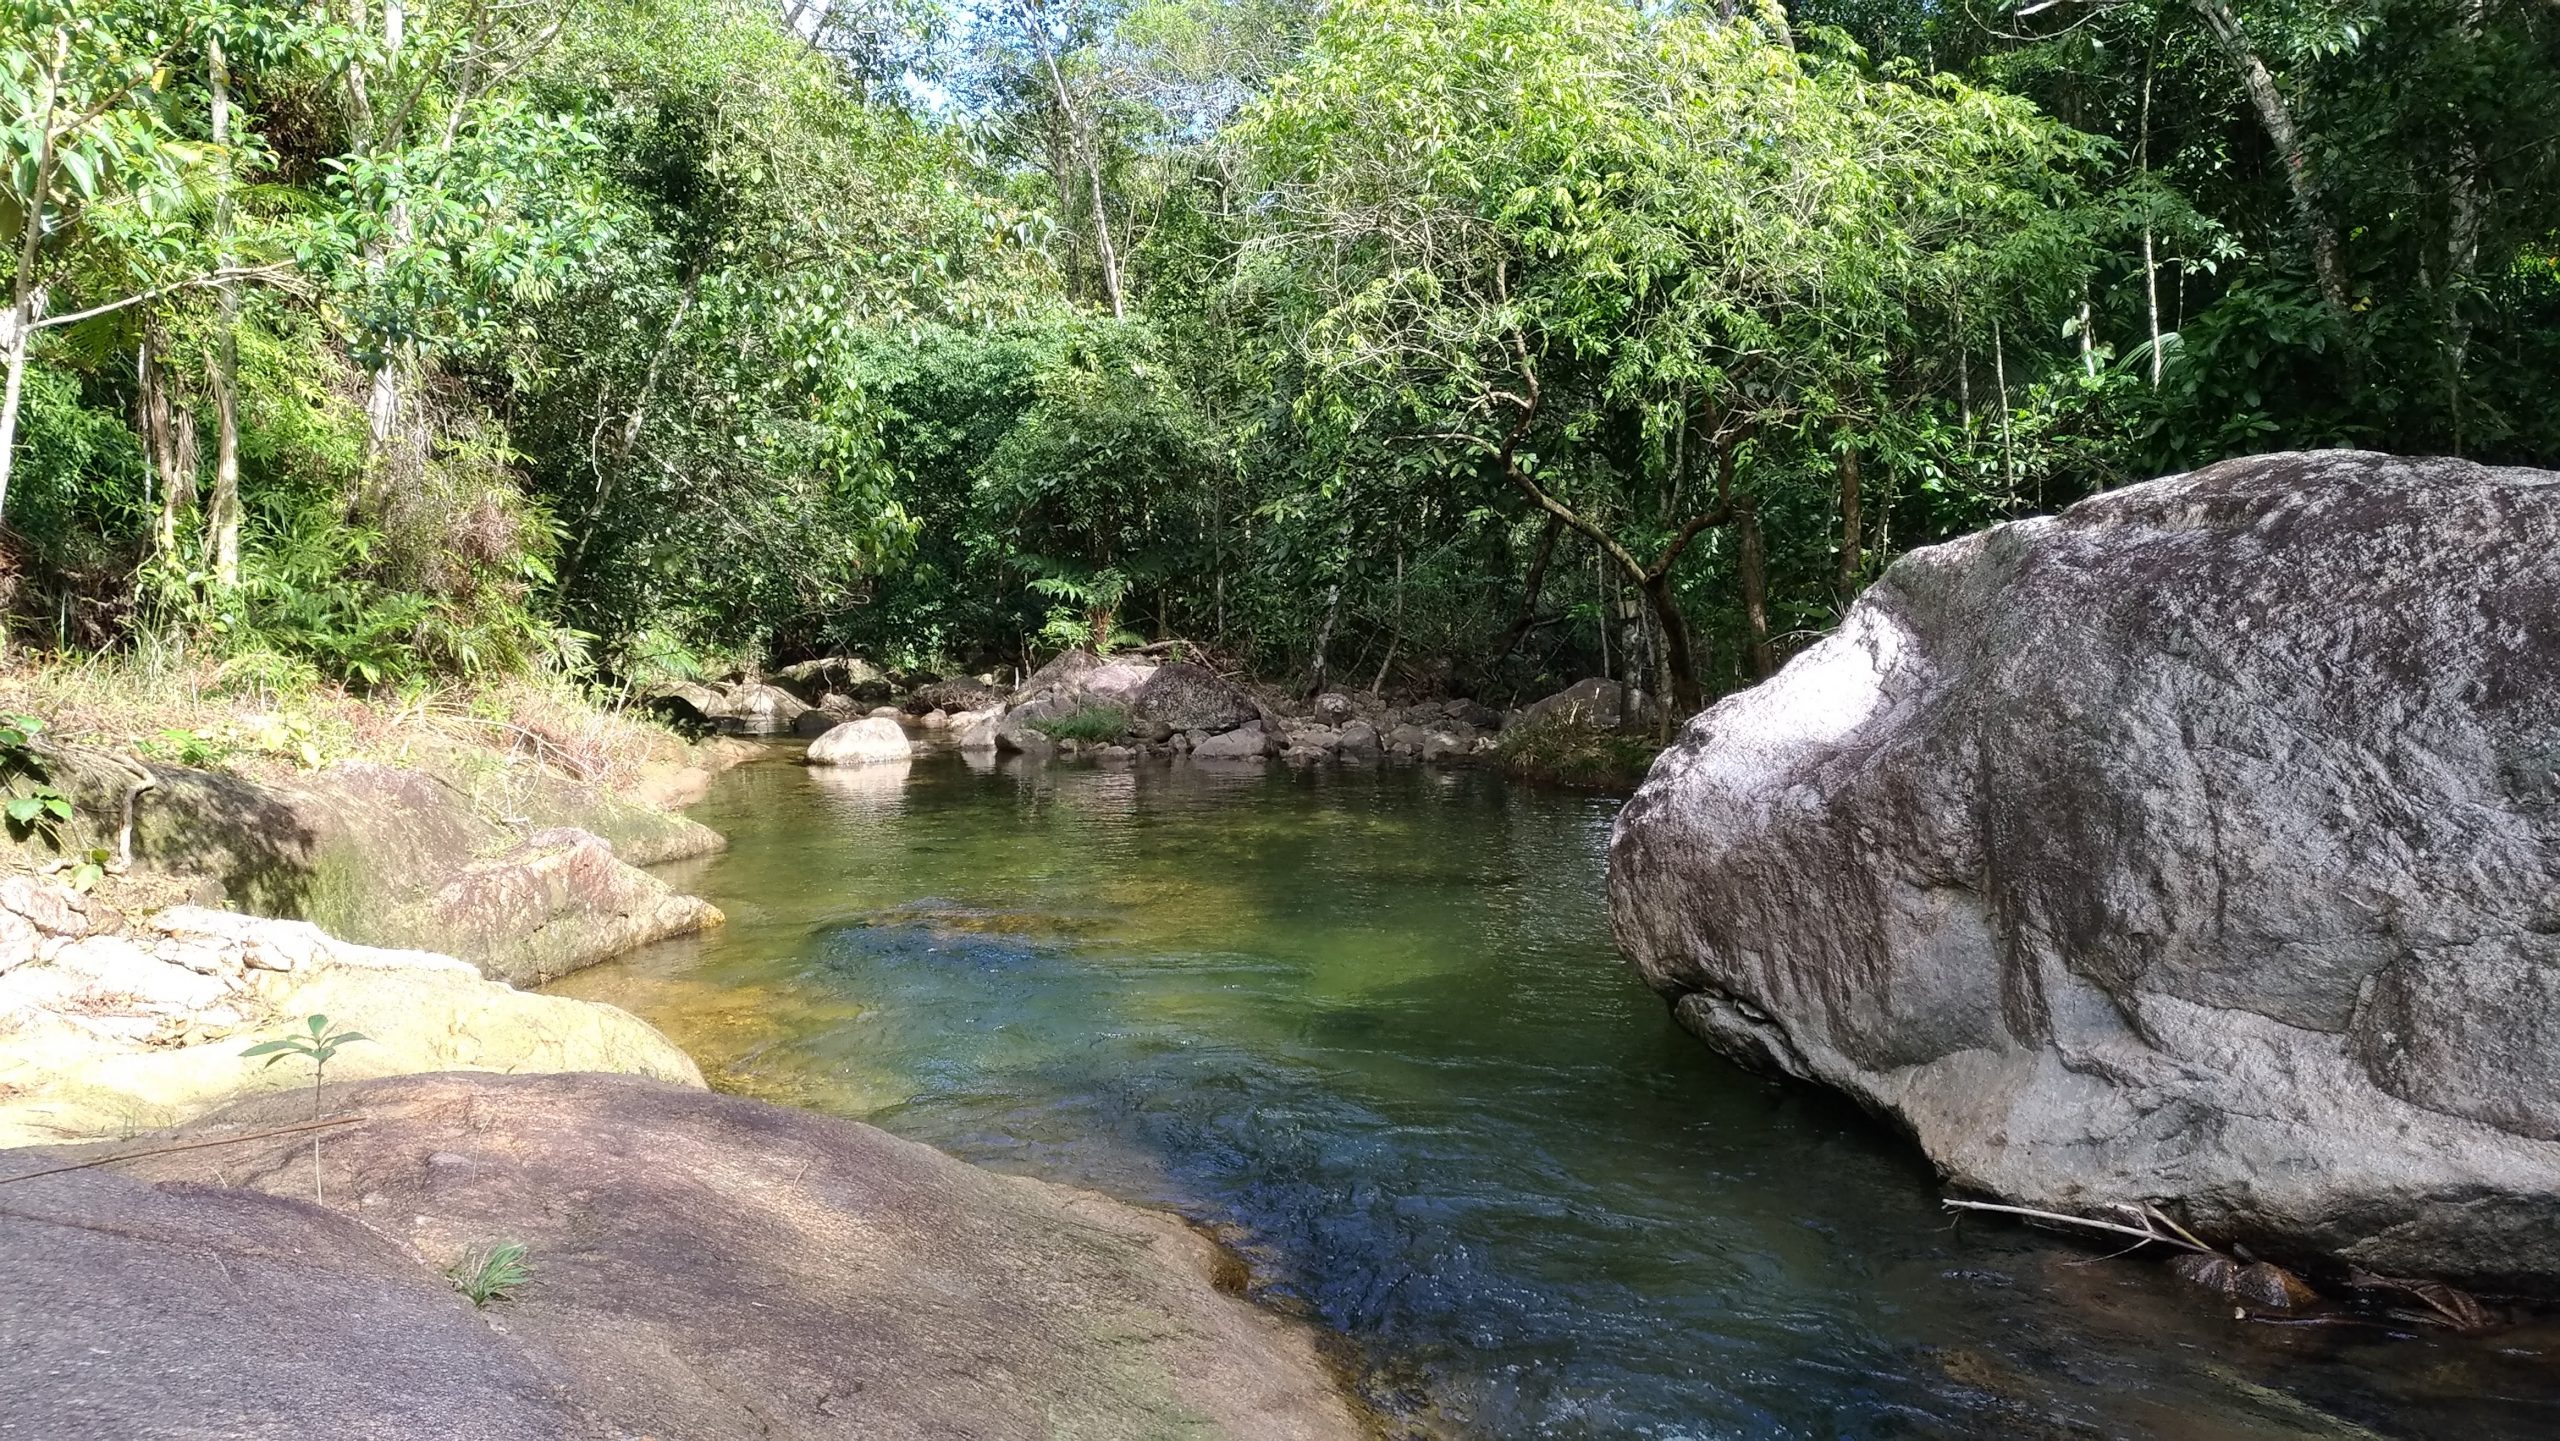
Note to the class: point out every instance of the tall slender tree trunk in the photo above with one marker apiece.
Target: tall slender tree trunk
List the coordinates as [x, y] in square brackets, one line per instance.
[1088, 150]
[2008, 443]
[2150, 262]
[26, 297]
[2302, 179]
[169, 434]
[2462, 246]
[222, 516]
[1679, 651]
[1531, 586]
[1752, 560]
[1852, 560]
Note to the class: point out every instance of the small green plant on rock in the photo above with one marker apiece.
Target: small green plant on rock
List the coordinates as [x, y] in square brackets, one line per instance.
[38, 810]
[317, 1042]
[491, 1273]
[1098, 723]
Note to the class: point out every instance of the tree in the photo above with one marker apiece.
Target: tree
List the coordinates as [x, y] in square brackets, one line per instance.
[1628, 260]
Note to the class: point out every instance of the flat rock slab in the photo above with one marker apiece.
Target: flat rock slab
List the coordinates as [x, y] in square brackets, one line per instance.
[703, 1266]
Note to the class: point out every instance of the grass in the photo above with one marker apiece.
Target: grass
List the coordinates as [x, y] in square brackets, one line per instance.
[491, 1273]
[1575, 755]
[1092, 723]
[266, 717]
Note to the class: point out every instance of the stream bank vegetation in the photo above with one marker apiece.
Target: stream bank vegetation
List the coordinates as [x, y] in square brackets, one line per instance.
[489, 359]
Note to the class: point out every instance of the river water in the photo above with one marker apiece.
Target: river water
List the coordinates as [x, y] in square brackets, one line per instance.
[1367, 1025]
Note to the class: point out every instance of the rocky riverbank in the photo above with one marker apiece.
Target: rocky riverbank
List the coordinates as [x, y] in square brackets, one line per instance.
[197, 1274]
[2195, 849]
[696, 1265]
[1130, 707]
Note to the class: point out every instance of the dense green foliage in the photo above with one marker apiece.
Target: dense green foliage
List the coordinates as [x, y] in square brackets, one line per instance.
[1411, 343]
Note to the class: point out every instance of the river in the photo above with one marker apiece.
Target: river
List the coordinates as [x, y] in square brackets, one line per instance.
[1367, 1025]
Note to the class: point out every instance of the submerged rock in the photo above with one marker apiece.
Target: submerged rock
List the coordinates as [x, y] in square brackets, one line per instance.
[701, 1266]
[2198, 846]
[862, 742]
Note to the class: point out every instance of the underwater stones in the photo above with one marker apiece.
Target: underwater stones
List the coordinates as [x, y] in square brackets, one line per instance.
[2195, 846]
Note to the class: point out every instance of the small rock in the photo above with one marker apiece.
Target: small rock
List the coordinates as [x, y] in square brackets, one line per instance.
[56, 910]
[18, 938]
[1334, 708]
[1359, 741]
[934, 720]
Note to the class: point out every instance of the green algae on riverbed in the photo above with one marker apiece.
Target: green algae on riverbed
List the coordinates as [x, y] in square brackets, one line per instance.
[1367, 1025]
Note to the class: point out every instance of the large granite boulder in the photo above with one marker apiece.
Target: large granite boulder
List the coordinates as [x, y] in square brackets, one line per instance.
[522, 873]
[1076, 681]
[960, 693]
[1182, 696]
[850, 676]
[2198, 846]
[701, 1266]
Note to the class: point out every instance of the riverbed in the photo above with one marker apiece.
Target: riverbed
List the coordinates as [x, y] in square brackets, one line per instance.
[1367, 1026]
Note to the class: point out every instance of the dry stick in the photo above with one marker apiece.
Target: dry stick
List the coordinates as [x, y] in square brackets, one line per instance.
[189, 1146]
[2059, 1218]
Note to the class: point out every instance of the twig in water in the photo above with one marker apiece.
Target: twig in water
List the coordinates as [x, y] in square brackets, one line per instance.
[2180, 1240]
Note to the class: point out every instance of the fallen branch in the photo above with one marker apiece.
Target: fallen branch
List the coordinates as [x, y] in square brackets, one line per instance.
[2180, 1239]
[188, 1146]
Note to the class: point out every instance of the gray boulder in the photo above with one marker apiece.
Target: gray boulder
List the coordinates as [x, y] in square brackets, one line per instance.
[869, 741]
[975, 730]
[1188, 697]
[758, 710]
[1245, 742]
[1597, 703]
[1360, 741]
[811, 680]
[957, 694]
[2199, 846]
[1333, 708]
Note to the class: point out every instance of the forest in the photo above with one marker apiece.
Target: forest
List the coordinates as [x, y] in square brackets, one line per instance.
[1436, 346]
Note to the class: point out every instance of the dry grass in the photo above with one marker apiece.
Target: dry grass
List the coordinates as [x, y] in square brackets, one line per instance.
[266, 718]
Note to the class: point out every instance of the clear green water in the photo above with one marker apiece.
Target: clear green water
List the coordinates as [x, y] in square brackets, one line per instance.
[1368, 1025]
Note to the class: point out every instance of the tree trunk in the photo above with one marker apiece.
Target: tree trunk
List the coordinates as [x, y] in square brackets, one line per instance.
[2310, 204]
[222, 516]
[1679, 657]
[1088, 150]
[1531, 586]
[2462, 247]
[1753, 562]
[169, 434]
[2150, 263]
[1852, 524]
[26, 297]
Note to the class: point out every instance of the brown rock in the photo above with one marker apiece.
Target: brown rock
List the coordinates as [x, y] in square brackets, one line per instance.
[702, 1266]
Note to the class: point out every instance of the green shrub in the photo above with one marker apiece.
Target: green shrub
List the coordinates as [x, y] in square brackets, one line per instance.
[1576, 755]
[1093, 723]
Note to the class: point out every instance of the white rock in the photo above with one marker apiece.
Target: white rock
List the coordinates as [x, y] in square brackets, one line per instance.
[863, 742]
